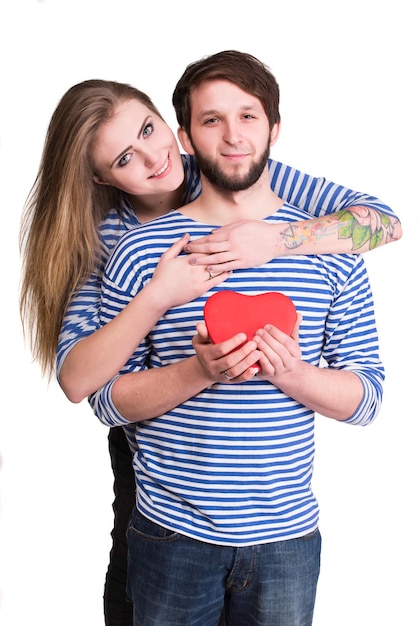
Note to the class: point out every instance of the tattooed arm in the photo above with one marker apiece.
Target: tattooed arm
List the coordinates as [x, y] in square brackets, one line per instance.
[360, 228]
[343, 221]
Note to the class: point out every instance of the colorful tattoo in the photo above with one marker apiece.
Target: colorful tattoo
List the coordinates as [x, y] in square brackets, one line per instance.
[360, 224]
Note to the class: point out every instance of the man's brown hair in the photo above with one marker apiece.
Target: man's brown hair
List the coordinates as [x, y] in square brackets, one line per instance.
[239, 68]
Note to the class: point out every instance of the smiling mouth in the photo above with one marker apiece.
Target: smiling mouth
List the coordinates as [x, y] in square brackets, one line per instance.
[162, 170]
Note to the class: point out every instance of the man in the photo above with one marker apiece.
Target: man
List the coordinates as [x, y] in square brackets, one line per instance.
[223, 452]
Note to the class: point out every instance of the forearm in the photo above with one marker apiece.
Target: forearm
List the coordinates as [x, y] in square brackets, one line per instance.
[96, 359]
[249, 243]
[143, 395]
[333, 393]
[353, 230]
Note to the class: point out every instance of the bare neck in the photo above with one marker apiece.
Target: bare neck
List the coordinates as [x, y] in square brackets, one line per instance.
[147, 208]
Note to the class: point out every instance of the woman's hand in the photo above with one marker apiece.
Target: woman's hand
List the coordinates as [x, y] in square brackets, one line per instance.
[179, 282]
[225, 362]
[242, 244]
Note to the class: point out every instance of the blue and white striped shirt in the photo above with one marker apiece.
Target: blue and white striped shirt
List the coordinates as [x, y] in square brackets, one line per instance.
[317, 196]
[233, 464]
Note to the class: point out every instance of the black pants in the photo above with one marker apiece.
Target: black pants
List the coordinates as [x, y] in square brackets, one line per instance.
[117, 608]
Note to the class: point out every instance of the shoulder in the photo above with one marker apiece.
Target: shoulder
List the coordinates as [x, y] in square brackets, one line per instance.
[115, 224]
[155, 230]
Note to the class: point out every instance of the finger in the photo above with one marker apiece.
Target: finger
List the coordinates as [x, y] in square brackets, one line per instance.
[212, 237]
[202, 330]
[239, 357]
[217, 257]
[281, 342]
[244, 369]
[267, 369]
[229, 266]
[218, 278]
[269, 348]
[295, 332]
[273, 335]
[177, 247]
[230, 352]
[275, 351]
[249, 373]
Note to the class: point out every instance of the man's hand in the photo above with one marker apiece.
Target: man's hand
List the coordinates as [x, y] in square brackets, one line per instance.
[226, 362]
[280, 353]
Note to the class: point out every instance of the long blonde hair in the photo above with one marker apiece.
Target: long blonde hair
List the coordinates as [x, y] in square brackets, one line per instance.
[59, 230]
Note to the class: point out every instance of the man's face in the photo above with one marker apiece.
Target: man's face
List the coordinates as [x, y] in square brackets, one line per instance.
[229, 135]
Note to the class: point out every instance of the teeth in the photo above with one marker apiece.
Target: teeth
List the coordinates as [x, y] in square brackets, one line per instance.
[162, 170]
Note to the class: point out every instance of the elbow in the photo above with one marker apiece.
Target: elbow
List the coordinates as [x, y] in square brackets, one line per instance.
[398, 230]
[73, 385]
[74, 395]
[74, 392]
[394, 229]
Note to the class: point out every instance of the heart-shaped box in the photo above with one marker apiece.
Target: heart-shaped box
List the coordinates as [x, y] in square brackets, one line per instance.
[227, 313]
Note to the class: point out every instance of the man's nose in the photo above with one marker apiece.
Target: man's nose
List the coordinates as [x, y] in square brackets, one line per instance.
[232, 133]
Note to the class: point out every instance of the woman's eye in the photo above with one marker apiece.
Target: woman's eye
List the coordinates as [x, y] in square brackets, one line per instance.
[148, 130]
[124, 160]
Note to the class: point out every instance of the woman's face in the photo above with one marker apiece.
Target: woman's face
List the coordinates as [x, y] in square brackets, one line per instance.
[137, 152]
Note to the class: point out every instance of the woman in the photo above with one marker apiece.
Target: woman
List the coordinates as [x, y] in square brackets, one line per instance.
[109, 164]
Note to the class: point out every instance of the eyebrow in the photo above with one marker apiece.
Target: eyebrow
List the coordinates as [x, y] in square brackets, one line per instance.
[120, 155]
[216, 112]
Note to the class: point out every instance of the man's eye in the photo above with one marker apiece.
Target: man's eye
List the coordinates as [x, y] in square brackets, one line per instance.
[148, 130]
[124, 160]
[211, 120]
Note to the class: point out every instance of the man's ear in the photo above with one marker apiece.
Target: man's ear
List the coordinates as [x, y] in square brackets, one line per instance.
[274, 133]
[184, 139]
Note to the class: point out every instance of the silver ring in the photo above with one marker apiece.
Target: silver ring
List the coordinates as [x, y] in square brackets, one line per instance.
[210, 274]
[228, 377]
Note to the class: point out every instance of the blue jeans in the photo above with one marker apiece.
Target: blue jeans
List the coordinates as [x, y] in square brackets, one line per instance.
[177, 581]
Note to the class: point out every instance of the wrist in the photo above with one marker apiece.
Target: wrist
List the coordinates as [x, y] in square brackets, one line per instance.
[155, 299]
[199, 374]
[286, 239]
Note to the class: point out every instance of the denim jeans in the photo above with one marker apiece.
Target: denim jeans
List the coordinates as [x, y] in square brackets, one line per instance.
[177, 581]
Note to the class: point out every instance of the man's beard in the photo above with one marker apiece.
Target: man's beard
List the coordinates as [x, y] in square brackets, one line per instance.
[233, 182]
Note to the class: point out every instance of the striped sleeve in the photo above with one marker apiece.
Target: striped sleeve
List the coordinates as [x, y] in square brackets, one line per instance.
[317, 196]
[81, 318]
[102, 404]
[351, 337]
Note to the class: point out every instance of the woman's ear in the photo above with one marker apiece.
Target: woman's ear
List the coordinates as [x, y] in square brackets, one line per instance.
[274, 133]
[99, 181]
[184, 139]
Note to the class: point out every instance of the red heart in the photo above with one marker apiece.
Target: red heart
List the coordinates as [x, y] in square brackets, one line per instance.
[227, 313]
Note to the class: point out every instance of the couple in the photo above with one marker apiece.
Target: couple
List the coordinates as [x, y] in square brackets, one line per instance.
[108, 146]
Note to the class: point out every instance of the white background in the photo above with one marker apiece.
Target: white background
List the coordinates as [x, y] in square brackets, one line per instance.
[348, 78]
